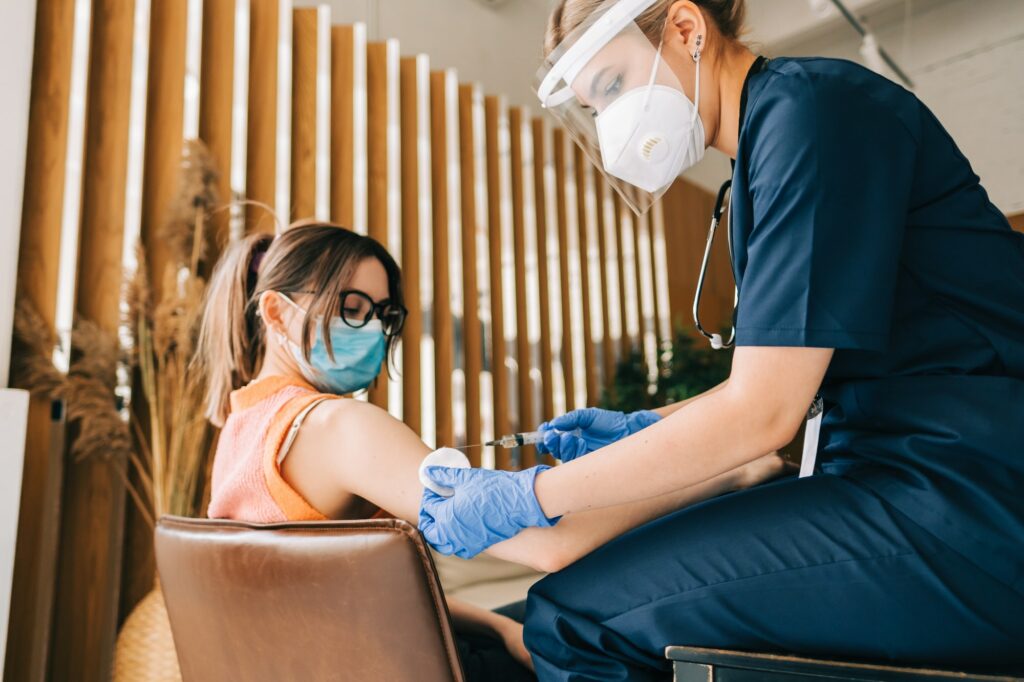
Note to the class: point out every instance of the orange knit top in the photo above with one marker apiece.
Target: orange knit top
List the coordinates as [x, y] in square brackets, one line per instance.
[247, 484]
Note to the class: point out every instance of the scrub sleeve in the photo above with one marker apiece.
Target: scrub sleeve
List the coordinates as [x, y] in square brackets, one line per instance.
[821, 566]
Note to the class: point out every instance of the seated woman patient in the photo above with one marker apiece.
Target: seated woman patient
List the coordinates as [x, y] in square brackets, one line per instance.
[293, 324]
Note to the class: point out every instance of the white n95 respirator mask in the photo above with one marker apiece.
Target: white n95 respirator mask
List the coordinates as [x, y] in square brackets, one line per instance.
[608, 87]
[650, 135]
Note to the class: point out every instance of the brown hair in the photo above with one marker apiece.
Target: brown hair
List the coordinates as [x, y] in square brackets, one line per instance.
[315, 258]
[726, 15]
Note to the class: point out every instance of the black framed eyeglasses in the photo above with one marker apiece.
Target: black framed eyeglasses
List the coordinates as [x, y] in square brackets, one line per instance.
[358, 308]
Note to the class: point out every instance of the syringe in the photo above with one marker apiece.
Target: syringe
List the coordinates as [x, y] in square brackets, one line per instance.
[516, 440]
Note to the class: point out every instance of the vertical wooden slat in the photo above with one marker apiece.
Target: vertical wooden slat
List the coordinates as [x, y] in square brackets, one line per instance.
[527, 296]
[138, 564]
[659, 259]
[322, 198]
[648, 314]
[553, 272]
[628, 278]
[503, 422]
[417, 254]
[543, 203]
[283, 134]
[589, 276]
[216, 103]
[28, 635]
[572, 293]
[444, 331]
[393, 178]
[349, 126]
[376, 141]
[518, 249]
[381, 79]
[261, 156]
[608, 256]
[303, 143]
[239, 120]
[311, 95]
[562, 203]
[473, 339]
[413, 330]
[89, 575]
[477, 273]
[456, 303]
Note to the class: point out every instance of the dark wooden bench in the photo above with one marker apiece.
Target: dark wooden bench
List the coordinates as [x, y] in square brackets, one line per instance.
[694, 664]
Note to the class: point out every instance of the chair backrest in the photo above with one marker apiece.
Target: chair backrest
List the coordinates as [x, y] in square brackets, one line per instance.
[334, 600]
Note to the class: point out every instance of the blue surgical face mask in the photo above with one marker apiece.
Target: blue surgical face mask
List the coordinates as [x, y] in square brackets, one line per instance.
[358, 356]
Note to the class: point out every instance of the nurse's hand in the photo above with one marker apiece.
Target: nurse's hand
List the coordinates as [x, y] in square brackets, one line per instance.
[486, 507]
[581, 431]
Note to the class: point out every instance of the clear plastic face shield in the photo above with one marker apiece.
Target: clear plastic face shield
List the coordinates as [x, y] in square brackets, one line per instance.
[608, 86]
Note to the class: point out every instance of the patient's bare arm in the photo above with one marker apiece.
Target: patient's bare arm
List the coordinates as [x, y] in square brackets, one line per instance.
[349, 449]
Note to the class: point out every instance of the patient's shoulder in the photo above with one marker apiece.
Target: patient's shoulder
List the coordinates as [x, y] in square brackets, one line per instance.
[349, 413]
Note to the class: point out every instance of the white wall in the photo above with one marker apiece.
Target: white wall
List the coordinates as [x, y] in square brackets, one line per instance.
[966, 59]
[498, 46]
[17, 30]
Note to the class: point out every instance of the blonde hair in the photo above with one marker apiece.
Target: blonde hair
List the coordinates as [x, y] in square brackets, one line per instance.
[726, 15]
[317, 259]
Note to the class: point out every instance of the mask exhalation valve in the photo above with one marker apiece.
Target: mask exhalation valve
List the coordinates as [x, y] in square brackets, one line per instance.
[654, 149]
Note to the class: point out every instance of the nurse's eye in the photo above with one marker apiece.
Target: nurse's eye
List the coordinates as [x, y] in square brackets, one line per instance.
[614, 87]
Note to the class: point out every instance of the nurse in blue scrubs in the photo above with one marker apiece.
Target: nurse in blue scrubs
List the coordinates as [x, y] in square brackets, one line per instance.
[873, 272]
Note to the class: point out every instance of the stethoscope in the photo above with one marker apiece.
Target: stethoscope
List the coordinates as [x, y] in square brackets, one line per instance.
[814, 413]
[716, 216]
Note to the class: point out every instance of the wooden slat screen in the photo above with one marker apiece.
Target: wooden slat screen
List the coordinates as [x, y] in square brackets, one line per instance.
[527, 278]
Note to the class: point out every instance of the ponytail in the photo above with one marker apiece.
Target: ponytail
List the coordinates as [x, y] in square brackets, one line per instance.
[230, 346]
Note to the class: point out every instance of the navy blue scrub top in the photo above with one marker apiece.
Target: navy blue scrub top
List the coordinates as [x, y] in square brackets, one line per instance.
[858, 225]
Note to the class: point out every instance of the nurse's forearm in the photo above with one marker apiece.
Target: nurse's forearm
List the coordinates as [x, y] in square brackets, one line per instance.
[698, 442]
[759, 410]
[552, 549]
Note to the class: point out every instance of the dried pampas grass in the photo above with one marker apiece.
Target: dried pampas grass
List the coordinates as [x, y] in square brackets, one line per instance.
[32, 358]
[87, 389]
[176, 445]
[197, 195]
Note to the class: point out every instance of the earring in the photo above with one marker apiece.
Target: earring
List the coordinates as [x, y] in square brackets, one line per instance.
[696, 52]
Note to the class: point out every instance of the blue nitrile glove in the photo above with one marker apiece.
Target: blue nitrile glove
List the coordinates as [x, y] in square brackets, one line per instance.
[488, 506]
[581, 431]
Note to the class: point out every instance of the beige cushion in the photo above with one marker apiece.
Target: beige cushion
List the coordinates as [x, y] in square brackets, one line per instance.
[485, 581]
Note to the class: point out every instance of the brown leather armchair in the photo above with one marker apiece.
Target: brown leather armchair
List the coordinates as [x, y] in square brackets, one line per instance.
[333, 600]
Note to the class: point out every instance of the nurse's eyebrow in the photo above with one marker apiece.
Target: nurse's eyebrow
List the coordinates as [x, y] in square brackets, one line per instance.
[595, 80]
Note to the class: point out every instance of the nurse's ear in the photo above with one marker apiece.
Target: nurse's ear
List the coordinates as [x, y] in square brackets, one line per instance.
[686, 30]
[686, 35]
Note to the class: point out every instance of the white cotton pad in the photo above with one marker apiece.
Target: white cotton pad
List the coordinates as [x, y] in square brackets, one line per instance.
[442, 457]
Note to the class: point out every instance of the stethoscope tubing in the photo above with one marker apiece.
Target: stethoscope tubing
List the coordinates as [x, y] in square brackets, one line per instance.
[716, 217]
